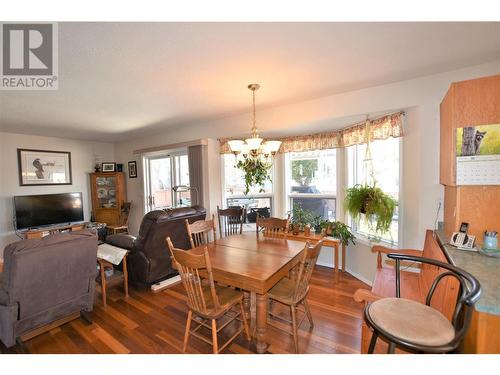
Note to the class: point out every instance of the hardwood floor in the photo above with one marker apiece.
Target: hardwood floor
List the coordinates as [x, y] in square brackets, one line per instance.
[154, 323]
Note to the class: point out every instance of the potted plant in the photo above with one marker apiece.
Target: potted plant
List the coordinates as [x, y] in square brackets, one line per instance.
[316, 223]
[256, 173]
[339, 230]
[300, 218]
[371, 202]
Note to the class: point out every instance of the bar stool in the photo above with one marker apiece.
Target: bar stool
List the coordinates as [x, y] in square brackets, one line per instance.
[415, 326]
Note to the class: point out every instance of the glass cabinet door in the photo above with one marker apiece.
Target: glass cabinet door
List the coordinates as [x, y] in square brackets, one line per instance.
[106, 191]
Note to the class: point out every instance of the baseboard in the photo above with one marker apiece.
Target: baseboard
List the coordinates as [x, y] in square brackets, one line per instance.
[351, 272]
[166, 283]
[359, 277]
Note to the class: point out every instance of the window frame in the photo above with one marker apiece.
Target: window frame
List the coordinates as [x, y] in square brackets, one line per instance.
[351, 174]
[287, 177]
[174, 174]
[226, 196]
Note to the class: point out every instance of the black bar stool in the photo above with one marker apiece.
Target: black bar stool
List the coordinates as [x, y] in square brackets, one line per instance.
[415, 326]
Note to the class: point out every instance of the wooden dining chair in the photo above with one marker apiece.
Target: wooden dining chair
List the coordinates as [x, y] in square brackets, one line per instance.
[272, 226]
[199, 232]
[205, 300]
[293, 292]
[231, 220]
[122, 225]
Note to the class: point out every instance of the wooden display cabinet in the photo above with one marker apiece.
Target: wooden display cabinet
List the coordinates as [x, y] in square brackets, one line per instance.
[108, 194]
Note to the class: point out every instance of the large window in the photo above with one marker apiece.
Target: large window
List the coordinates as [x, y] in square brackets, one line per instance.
[163, 172]
[311, 181]
[234, 188]
[385, 162]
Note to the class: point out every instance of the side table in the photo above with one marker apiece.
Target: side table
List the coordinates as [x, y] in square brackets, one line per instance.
[118, 277]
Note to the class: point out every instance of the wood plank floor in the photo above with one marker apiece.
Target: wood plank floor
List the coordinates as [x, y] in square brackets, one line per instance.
[154, 323]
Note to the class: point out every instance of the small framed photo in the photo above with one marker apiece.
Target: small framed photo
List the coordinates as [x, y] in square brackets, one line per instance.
[132, 169]
[108, 167]
[42, 167]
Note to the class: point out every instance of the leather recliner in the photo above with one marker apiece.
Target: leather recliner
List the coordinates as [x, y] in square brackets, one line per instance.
[149, 259]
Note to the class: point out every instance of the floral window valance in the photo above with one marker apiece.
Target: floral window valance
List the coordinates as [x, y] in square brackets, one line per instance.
[381, 128]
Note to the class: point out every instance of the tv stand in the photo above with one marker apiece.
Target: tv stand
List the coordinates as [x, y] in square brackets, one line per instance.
[45, 231]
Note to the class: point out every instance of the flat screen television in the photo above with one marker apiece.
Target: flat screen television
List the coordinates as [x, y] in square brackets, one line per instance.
[41, 210]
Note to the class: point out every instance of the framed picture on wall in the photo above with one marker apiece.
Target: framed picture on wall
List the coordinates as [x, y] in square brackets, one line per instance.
[108, 167]
[132, 169]
[43, 167]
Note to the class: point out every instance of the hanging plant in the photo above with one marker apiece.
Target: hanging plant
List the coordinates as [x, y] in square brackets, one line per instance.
[371, 202]
[256, 172]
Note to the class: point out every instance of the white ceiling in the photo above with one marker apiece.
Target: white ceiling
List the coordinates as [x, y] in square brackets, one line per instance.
[116, 80]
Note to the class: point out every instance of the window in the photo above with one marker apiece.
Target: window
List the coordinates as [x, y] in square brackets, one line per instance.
[234, 188]
[311, 180]
[163, 172]
[385, 158]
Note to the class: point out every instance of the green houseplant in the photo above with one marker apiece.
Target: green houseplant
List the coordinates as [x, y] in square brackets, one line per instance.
[371, 202]
[339, 230]
[256, 172]
[300, 218]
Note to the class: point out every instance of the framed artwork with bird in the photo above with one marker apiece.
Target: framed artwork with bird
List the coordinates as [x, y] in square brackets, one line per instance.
[43, 167]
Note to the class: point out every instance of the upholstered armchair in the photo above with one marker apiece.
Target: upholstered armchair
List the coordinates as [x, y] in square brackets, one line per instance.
[45, 280]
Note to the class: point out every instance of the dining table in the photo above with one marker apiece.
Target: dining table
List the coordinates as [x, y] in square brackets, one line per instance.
[253, 264]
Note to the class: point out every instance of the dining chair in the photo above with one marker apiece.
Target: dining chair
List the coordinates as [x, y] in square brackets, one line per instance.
[272, 226]
[293, 292]
[231, 220]
[416, 326]
[199, 232]
[122, 225]
[206, 300]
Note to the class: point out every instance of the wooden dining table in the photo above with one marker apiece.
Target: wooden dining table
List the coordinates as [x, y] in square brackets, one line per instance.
[253, 264]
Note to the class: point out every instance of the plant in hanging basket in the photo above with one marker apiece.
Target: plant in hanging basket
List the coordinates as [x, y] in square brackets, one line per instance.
[371, 202]
[256, 173]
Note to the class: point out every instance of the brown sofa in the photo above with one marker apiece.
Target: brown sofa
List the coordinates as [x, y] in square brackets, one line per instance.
[44, 280]
[149, 259]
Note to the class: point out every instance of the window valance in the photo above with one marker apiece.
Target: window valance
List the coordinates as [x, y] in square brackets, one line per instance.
[381, 128]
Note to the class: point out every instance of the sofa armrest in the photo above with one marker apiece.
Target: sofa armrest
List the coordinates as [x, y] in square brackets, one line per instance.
[4, 297]
[125, 241]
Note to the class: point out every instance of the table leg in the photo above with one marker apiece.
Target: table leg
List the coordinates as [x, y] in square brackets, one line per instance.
[336, 249]
[125, 276]
[343, 258]
[246, 306]
[261, 323]
[103, 283]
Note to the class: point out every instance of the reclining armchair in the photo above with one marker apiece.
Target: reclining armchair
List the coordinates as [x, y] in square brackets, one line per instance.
[149, 259]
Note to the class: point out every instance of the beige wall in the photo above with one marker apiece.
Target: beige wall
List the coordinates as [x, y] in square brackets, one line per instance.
[83, 154]
[420, 189]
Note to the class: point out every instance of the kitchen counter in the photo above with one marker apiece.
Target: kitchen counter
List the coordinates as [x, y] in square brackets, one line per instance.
[484, 268]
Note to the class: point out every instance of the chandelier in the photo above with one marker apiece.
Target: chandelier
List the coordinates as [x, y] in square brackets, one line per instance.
[254, 147]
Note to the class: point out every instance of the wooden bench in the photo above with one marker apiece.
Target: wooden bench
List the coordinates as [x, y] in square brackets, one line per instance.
[414, 285]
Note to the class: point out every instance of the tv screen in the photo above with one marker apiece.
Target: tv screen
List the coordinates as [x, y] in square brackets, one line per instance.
[39, 210]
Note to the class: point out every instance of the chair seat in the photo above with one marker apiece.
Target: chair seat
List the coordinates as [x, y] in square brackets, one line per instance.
[283, 291]
[228, 297]
[411, 321]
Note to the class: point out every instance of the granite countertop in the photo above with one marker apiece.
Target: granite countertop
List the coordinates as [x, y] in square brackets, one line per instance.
[484, 268]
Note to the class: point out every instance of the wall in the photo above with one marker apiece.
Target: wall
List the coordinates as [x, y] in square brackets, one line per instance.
[420, 188]
[83, 154]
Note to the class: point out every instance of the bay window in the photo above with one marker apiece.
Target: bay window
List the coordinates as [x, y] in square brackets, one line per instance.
[234, 187]
[386, 172]
[311, 181]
